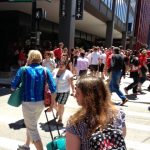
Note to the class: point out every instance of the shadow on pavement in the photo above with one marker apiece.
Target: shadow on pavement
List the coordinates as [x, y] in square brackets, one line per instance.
[132, 97]
[17, 125]
[53, 124]
[116, 103]
[147, 139]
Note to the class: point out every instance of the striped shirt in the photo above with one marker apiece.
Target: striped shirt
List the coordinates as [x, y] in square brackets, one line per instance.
[33, 77]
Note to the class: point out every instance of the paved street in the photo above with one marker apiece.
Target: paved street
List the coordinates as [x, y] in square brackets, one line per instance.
[12, 131]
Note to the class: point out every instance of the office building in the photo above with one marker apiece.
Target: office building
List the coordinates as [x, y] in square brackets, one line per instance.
[96, 22]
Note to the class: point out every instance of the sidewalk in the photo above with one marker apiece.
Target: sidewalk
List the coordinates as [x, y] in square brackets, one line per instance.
[5, 81]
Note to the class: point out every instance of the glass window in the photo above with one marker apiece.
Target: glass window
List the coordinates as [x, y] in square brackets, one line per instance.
[108, 3]
[121, 10]
[133, 3]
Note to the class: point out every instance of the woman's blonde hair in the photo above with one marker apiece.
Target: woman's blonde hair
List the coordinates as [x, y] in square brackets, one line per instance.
[97, 107]
[34, 56]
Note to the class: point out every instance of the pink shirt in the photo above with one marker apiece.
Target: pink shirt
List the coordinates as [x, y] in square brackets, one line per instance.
[82, 63]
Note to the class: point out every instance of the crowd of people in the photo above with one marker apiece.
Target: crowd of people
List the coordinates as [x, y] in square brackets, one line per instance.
[97, 73]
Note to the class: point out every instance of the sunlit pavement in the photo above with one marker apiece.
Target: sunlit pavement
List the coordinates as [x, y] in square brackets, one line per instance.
[12, 131]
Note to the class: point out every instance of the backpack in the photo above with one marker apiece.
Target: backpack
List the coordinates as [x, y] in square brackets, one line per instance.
[109, 138]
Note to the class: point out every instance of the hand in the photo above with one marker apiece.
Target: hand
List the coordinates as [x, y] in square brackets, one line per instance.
[12, 89]
[48, 109]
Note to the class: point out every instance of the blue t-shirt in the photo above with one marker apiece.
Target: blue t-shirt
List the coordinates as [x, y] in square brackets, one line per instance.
[34, 79]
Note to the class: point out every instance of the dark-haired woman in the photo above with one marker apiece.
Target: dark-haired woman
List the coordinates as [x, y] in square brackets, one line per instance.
[64, 80]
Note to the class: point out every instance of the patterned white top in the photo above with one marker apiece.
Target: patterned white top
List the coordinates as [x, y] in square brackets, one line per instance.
[81, 129]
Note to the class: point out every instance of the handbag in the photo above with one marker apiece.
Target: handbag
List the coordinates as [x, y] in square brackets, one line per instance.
[15, 98]
[47, 92]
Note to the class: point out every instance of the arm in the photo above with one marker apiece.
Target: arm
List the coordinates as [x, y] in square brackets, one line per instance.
[70, 66]
[17, 80]
[51, 81]
[72, 141]
[124, 131]
[72, 85]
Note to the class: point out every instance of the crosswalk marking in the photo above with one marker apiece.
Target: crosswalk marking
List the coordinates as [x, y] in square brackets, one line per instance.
[133, 113]
[10, 144]
[130, 125]
[131, 145]
[13, 144]
[138, 126]
[137, 145]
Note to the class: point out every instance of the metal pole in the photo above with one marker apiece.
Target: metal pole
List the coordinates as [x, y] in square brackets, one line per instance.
[127, 17]
[126, 29]
[33, 26]
[133, 40]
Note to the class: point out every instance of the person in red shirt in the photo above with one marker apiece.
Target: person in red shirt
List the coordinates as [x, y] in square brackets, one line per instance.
[22, 58]
[143, 68]
[58, 53]
[108, 62]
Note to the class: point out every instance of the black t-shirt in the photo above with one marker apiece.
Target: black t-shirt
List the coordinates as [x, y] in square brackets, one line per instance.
[117, 62]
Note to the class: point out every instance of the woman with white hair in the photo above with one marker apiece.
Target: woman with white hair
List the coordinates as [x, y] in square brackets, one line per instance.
[33, 76]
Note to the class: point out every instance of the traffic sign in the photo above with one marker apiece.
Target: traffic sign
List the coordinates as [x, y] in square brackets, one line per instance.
[15, 0]
[62, 10]
[79, 9]
[20, 1]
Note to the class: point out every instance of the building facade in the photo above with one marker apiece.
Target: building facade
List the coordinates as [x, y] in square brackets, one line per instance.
[104, 23]
[142, 26]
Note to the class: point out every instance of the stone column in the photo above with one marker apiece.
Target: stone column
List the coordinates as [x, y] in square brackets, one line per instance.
[67, 23]
[124, 34]
[110, 27]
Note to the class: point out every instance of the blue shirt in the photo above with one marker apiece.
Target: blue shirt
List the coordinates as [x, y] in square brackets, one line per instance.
[34, 79]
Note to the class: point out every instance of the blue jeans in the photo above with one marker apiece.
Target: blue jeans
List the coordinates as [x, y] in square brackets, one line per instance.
[114, 83]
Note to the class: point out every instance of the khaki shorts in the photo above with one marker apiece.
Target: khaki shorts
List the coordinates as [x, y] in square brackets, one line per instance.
[31, 113]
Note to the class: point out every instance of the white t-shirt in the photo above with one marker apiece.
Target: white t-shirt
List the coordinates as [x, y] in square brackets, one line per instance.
[50, 64]
[89, 57]
[62, 82]
[103, 58]
[95, 56]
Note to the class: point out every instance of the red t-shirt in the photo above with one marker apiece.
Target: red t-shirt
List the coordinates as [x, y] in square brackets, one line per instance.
[108, 59]
[142, 60]
[58, 53]
[22, 56]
